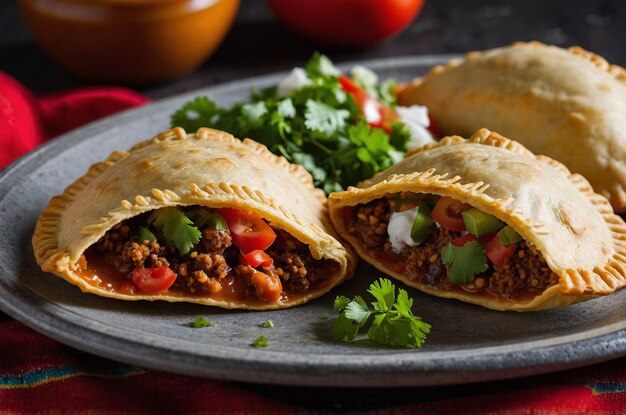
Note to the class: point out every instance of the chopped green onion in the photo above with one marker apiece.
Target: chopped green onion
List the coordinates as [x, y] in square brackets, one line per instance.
[423, 224]
[508, 236]
[479, 223]
[267, 324]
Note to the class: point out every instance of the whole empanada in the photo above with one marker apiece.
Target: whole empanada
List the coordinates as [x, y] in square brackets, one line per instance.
[547, 240]
[568, 104]
[202, 218]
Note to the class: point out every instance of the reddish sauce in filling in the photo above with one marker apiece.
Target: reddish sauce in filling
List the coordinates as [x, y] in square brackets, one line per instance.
[524, 275]
[215, 267]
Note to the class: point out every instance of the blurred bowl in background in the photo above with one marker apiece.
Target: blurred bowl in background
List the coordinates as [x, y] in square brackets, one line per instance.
[346, 23]
[135, 42]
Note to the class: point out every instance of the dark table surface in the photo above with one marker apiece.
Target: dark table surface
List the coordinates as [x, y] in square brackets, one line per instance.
[258, 44]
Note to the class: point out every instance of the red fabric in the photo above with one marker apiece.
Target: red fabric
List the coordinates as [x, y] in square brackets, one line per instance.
[39, 375]
[26, 120]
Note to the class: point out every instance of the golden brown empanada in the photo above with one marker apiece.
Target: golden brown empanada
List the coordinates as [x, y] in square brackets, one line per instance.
[562, 243]
[568, 104]
[202, 218]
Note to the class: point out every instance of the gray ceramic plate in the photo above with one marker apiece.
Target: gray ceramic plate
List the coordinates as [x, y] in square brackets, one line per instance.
[467, 343]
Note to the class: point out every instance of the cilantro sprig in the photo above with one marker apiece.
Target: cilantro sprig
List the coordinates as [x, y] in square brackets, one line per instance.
[464, 262]
[318, 126]
[176, 228]
[393, 322]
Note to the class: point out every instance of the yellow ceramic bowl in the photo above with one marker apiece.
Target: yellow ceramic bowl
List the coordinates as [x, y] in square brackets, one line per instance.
[129, 41]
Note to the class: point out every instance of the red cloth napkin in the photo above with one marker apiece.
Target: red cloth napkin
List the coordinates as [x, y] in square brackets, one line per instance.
[39, 375]
[26, 120]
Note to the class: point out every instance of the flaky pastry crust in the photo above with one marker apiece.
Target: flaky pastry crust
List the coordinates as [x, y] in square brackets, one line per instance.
[575, 229]
[568, 104]
[209, 168]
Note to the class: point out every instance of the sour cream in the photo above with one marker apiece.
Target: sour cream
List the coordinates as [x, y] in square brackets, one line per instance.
[399, 229]
[416, 119]
[296, 79]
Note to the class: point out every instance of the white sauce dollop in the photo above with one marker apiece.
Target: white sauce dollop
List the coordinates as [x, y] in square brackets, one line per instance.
[416, 119]
[295, 80]
[399, 229]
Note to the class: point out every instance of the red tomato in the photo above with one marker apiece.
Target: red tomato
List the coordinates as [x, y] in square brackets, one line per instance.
[248, 230]
[153, 280]
[463, 240]
[498, 253]
[257, 258]
[376, 114]
[447, 213]
[347, 23]
[469, 238]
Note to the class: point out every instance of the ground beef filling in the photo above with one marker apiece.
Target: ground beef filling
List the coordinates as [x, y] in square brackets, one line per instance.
[526, 272]
[204, 270]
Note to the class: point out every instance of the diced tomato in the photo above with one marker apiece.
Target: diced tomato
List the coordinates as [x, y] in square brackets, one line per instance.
[469, 238]
[498, 253]
[376, 114]
[248, 230]
[463, 240]
[447, 213]
[153, 280]
[256, 258]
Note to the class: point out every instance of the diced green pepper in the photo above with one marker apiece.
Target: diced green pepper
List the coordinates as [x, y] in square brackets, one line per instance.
[508, 236]
[423, 224]
[203, 217]
[479, 223]
[145, 235]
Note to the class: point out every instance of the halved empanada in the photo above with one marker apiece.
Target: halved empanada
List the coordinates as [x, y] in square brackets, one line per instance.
[201, 218]
[539, 237]
[568, 104]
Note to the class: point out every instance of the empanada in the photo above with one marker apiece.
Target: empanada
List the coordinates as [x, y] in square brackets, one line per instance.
[202, 218]
[485, 221]
[568, 104]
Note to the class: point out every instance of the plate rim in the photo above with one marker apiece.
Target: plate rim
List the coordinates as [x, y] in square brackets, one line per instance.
[396, 369]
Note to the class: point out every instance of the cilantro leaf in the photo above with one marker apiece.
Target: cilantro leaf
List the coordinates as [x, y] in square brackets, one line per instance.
[323, 118]
[320, 66]
[341, 303]
[344, 329]
[200, 322]
[393, 324]
[176, 228]
[357, 311]
[260, 341]
[254, 112]
[464, 262]
[318, 126]
[286, 109]
[366, 79]
[200, 112]
[385, 293]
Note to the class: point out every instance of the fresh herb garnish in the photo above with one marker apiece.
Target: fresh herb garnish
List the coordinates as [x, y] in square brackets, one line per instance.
[176, 228]
[393, 321]
[318, 125]
[464, 262]
[323, 316]
[260, 341]
[267, 324]
[200, 322]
